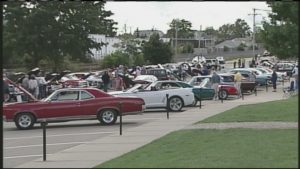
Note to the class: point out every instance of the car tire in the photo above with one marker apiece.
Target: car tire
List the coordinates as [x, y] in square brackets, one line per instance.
[107, 116]
[24, 121]
[175, 104]
[223, 94]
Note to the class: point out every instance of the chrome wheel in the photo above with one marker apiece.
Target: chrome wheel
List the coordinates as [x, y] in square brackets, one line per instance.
[108, 116]
[175, 104]
[24, 121]
[223, 94]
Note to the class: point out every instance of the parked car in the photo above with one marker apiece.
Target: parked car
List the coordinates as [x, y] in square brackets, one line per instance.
[220, 59]
[261, 79]
[281, 75]
[161, 74]
[156, 97]
[72, 104]
[285, 67]
[145, 79]
[198, 59]
[225, 90]
[199, 93]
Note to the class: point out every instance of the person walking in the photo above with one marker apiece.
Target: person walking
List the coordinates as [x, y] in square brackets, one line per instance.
[25, 82]
[215, 80]
[234, 64]
[296, 77]
[274, 80]
[33, 86]
[237, 82]
[6, 96]
[105, 78]
[42, 85]
[239, 63]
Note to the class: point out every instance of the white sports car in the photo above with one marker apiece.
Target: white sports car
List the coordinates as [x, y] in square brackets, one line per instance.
[156, 98]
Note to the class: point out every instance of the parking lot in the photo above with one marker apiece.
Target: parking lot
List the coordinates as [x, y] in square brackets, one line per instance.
[22, 146]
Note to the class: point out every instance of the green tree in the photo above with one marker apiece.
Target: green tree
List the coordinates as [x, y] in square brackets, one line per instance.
[240, 29]
[115, 59]
[53, 30]
[280, 35]
[155, 51]
[183, 29]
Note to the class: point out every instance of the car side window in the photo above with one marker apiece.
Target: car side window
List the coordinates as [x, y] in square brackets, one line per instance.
[85, 95]
[66, 95]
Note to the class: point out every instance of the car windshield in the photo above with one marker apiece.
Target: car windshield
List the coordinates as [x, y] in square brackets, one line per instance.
[205, 83]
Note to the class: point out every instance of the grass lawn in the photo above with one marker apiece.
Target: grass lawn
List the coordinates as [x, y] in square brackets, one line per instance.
[282, 110]
[229, 148]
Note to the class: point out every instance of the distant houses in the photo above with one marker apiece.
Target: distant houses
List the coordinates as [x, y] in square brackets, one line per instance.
[201, 42]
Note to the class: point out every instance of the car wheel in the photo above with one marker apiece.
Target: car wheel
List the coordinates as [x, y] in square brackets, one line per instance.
[24, 121]
[223, 94]
[175, 104]
[107, 116]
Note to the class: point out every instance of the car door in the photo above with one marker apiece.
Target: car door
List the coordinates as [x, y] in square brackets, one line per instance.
[63, 104]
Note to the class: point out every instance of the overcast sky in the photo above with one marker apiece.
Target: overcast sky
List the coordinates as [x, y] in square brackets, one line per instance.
[158, 15]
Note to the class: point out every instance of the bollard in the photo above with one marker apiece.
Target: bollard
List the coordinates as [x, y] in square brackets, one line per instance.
[167, 95]
[242, 94]
[255, 91]
[120, 107]
[266, 85]
[200, 105]
[220, 95]
[282, 81]
[200, 99]
[44, 123]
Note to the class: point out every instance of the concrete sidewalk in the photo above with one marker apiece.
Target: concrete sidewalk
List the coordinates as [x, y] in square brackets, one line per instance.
[101, 150]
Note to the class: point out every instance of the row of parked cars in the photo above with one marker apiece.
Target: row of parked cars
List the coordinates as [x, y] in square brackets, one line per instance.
[86, 101]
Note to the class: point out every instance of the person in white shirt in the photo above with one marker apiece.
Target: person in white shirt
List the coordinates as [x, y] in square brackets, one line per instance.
[296, 77]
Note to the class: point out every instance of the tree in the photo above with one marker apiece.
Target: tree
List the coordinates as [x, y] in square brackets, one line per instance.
[156, 51]
[240, 29]
[115, 59]
[280, 35]
[53, 30]
[183, 29]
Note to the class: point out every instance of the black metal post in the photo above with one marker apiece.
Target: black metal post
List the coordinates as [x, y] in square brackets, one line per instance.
[200, 105]
[167, 95]
[242, 95]
[255, 91]
[266, 85]
[282, 81]
[120, 106]
[220, 94]
[44, 140]
[200, 99]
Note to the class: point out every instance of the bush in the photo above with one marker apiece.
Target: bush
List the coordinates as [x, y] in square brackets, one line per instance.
[226, 48]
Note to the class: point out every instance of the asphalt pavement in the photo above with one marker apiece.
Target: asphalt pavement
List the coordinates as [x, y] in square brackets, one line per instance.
[100, 149]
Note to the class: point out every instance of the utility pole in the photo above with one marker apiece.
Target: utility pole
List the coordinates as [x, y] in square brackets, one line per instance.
[175, 39]
[254, 27]
[253, 34]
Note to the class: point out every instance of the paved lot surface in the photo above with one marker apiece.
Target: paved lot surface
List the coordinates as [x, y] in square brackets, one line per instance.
[85, 144]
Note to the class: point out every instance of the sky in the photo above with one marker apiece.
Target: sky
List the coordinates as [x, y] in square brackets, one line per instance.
[146, 15]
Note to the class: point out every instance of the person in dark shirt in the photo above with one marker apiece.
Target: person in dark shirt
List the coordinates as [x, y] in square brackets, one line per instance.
[274, 80]
[105, 78]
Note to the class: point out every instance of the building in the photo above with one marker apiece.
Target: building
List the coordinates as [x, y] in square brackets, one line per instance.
[107, 49]
[233, 43]
[147, 33]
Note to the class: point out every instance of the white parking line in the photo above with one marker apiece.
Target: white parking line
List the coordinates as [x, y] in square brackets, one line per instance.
[37, 155]
[38, 145]
[56, 135]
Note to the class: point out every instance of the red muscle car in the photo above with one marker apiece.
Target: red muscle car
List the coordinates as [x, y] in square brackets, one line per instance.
[72, 104]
